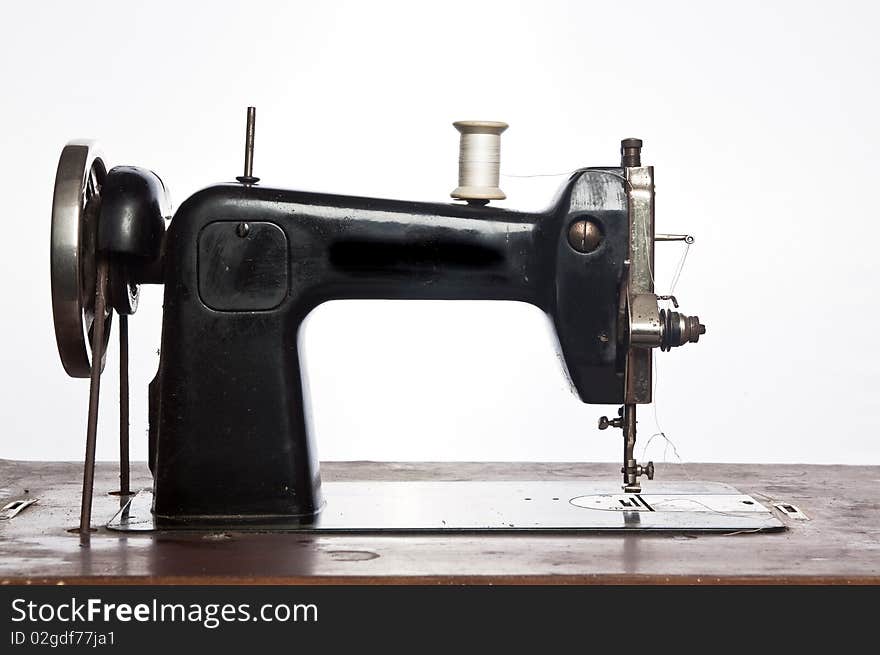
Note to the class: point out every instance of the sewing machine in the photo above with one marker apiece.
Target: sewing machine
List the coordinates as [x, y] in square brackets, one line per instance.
[230, 437]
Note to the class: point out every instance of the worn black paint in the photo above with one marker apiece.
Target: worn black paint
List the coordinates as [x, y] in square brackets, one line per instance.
[230, 434]
[133, 206]
[243, 266]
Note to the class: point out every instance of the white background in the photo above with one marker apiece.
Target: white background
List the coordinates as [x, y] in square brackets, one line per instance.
[761, 120]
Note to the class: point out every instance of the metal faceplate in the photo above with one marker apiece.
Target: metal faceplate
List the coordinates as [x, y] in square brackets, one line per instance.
[476, 506]
[641, 302]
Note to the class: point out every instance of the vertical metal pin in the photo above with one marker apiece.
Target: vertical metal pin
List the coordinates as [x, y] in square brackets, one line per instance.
[124, 473]
[85, 517]
[248, 177]
[630, 476]
[249, 142]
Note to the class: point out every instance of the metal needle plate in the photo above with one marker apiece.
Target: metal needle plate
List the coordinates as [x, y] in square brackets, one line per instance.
[473, 506]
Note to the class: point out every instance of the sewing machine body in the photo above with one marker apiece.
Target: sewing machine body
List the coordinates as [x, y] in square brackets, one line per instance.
[231, 442]
[230, 433]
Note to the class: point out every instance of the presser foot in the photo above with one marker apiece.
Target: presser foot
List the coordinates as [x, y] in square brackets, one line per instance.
[631, 469]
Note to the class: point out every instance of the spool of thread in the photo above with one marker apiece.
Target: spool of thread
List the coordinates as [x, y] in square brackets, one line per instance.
[479, 161]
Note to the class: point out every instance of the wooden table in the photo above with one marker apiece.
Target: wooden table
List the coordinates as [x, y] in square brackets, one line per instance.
[840, 544]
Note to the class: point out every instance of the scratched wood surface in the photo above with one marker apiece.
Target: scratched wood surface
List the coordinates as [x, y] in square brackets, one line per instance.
[840, 544]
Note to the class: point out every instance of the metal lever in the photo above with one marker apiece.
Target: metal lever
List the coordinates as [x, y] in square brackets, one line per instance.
[672, 298]
[85, 517]
[687, 238]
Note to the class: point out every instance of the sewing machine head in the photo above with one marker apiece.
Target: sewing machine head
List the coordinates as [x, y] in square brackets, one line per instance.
[243, 265]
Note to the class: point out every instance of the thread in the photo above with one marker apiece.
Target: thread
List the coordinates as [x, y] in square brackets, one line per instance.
[539, 174]
[660, 432]
[479, 161]
[684, 468]
[687, 249]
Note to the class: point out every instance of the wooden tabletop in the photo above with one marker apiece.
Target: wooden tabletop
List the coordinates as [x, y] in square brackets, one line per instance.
[839, 544]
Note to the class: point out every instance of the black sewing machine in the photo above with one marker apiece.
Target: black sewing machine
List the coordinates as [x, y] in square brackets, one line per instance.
[230, 441]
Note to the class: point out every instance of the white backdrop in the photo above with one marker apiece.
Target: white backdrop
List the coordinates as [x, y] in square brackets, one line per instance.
[761, 120]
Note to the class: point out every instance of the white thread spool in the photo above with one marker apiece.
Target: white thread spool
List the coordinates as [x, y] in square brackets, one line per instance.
[479, 161]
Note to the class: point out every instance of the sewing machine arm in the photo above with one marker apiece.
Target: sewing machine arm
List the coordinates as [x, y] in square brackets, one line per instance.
[244, 266]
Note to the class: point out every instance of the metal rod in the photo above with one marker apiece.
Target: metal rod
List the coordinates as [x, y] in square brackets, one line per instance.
[249, 142]
[630, 471]
[85, 517]
[687, 238]
[124, 488]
